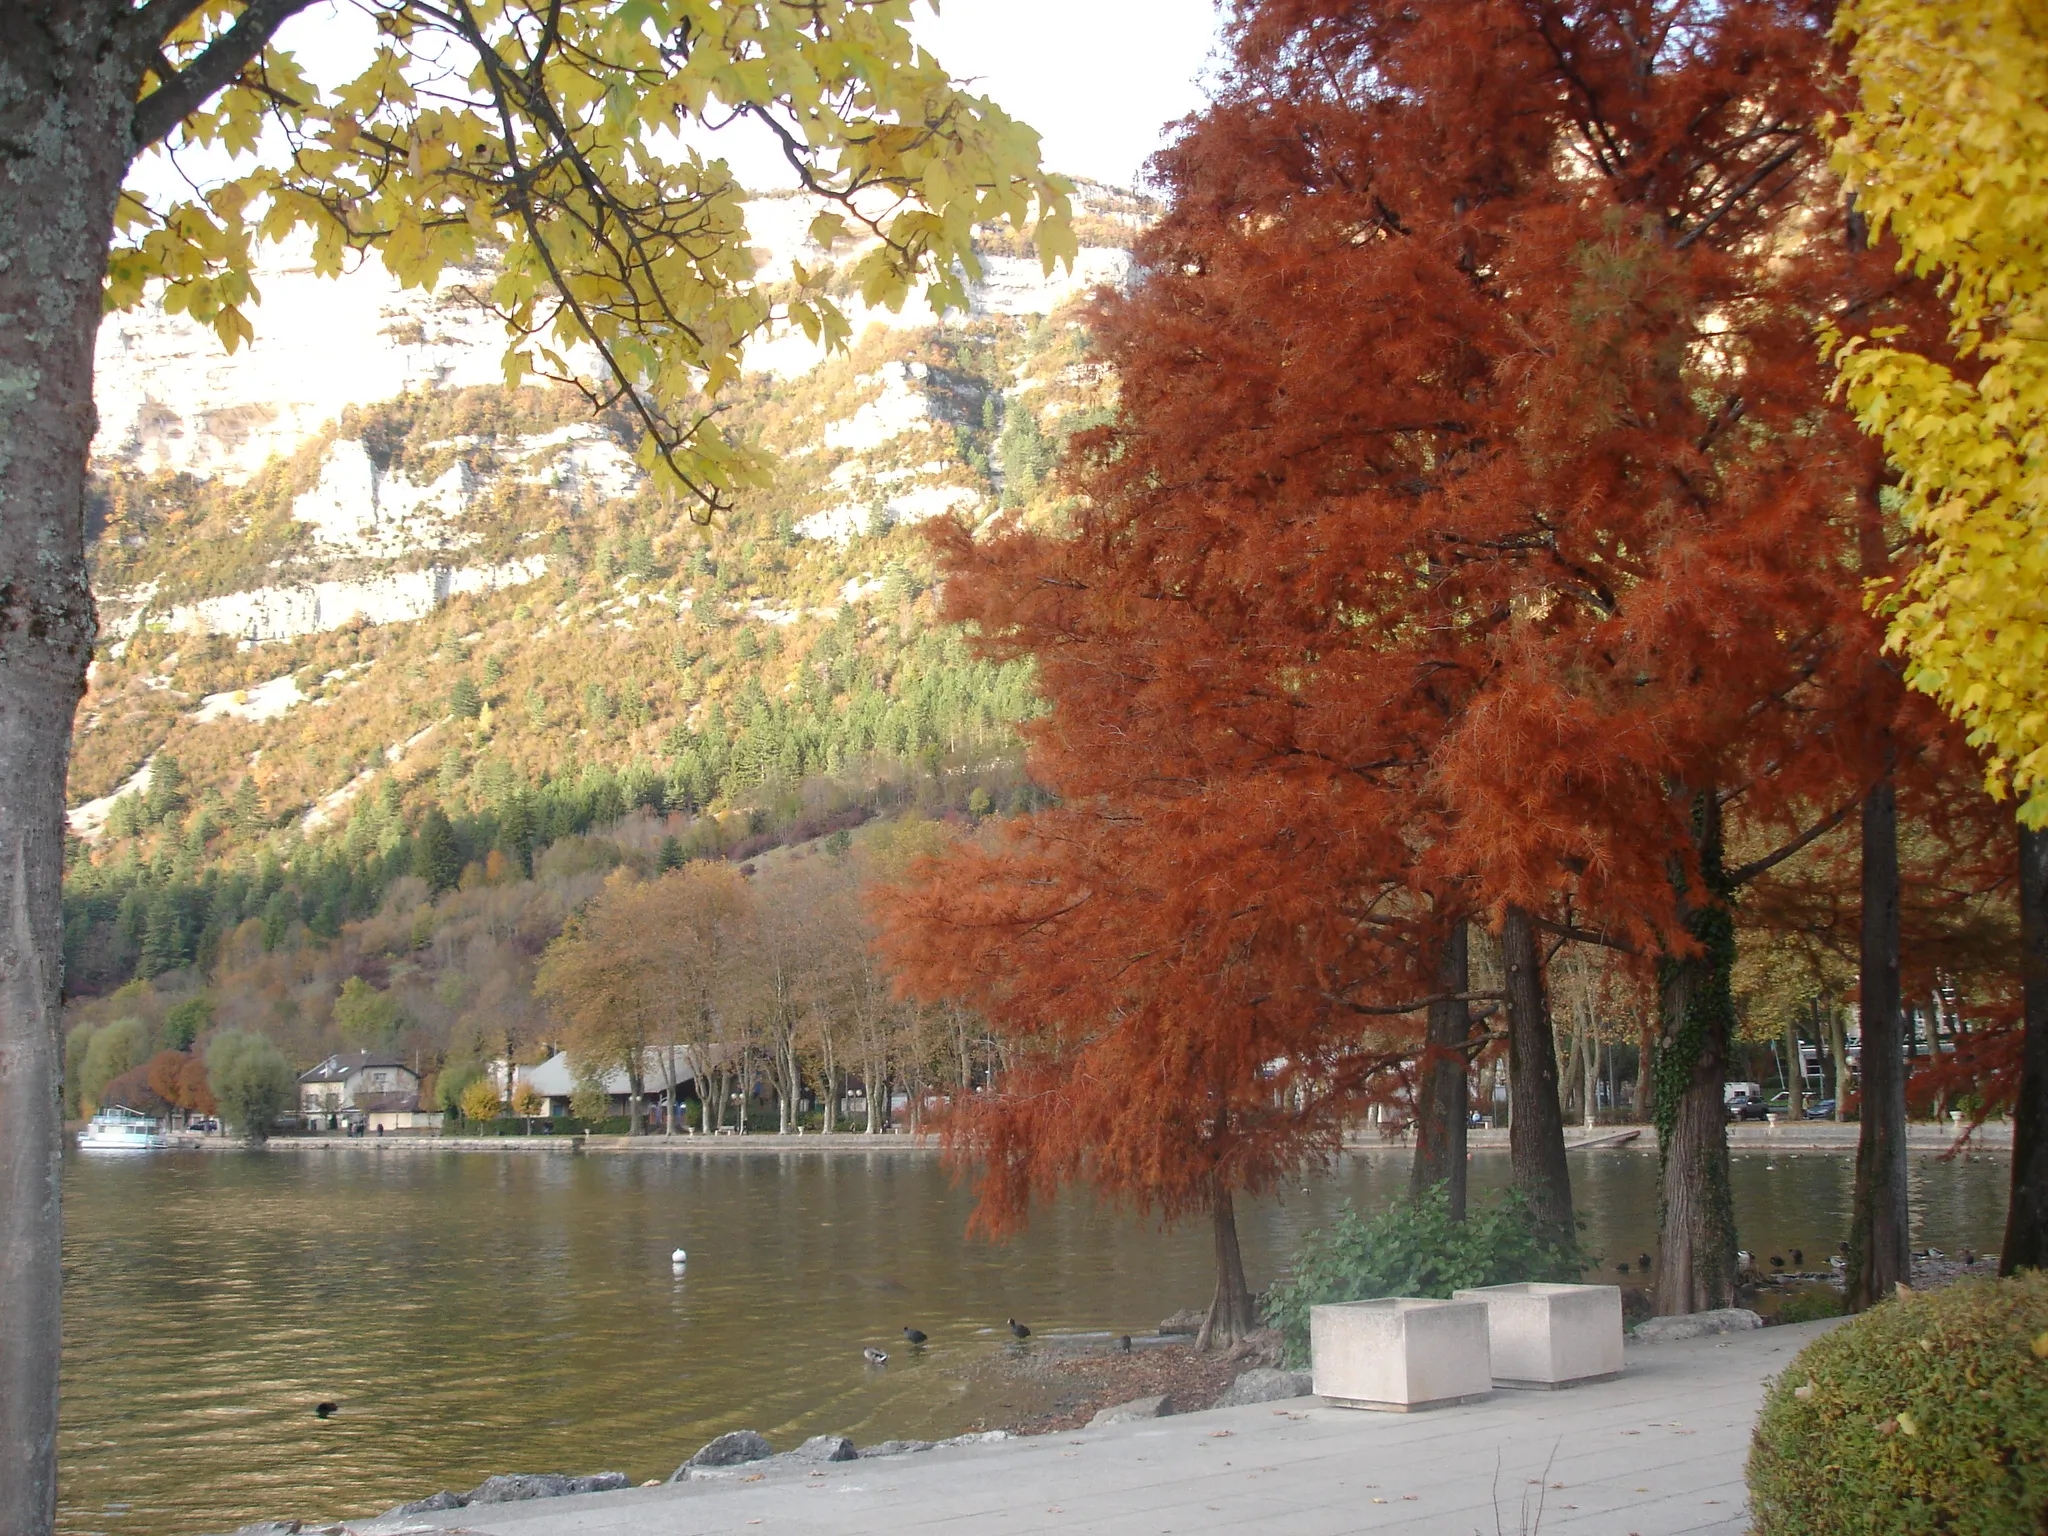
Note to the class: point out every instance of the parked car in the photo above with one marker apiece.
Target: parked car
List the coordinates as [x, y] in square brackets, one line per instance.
[1824, 1110]
[1745, 1108]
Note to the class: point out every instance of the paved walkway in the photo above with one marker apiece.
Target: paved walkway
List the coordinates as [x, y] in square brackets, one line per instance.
[1657, 1452]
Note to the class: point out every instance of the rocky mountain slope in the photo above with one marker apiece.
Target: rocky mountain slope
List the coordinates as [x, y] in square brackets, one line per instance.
[349, 583]
[304, 545]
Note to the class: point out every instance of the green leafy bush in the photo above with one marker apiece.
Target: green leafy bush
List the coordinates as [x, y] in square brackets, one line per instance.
[1927, 1414]
[1414, 1248]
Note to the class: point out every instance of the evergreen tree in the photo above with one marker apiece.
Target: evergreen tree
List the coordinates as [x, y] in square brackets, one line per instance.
[166, 788]
[186, 1022]
[464, 701]
[640, 557]
[516, 831]
[435, 857]
[122, 820]
[278, 912]
[163, 937]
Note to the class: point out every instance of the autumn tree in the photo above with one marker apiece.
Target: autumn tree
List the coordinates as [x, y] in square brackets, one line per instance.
[550, 134]
[693, 933]
[1946, 148]
[595, 979]
[1476, 530]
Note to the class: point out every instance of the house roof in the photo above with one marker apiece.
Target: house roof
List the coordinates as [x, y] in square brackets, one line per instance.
[338, 1068]
[555, 1078]
[384, 1103]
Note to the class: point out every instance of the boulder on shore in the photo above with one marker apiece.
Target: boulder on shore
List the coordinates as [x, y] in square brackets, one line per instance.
[1263, 1385]
[894, 1448]
[1138, 1408]
[512, 1487]
[825, 1448]
[1187, 1321]
[734, 1449]
[427, 1506]
[1696, 1325]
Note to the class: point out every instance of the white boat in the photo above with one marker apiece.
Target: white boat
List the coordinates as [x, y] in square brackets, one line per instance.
[122, 1130]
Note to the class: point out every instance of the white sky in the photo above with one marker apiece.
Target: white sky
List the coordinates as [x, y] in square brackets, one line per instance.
[1099, 79]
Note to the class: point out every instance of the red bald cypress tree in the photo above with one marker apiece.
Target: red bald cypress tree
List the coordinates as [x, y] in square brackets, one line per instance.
[1477, 536]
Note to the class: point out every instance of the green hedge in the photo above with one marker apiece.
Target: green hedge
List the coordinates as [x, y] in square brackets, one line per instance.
[1927, 1414]
[1413, 1248]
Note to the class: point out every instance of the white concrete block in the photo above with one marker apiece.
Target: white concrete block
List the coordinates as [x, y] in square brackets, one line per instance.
[1549, 1336]
[1399, 1353]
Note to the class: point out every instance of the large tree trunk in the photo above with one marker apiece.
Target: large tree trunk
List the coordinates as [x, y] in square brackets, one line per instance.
[1696, 1215]
[1878, 1257]
[1232, 1315]
[1440, 1096]
[66, 109]
[1536, 1118]
[2026, 1221]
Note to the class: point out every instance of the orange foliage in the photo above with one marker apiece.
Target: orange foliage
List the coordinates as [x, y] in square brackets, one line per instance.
[1477, 503]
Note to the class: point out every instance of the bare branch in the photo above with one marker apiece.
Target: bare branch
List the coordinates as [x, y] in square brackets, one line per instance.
[1583, 935]
[1819, 829]
[218, 67]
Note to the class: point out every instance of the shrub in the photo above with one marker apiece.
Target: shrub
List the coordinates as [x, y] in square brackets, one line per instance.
[480, 1100]
[1928, 1413]
[1414, 1248]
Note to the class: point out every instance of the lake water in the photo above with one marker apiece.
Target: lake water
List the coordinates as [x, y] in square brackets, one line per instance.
[479, 1313]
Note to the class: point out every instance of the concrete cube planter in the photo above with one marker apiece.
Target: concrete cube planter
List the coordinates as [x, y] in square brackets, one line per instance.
[1550, 1336]
[1399, 1354]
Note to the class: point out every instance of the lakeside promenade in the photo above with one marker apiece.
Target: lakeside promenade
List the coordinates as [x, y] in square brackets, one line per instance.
[1806, 1136]
[1657, 1452]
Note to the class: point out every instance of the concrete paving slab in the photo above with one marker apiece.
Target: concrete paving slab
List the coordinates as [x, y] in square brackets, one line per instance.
[1658, 1451]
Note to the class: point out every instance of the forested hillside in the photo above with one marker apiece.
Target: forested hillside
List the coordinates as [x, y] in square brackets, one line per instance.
[390, 705]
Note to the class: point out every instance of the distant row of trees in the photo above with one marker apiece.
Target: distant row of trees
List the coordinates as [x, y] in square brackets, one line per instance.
[171, 1072]
[768, 981]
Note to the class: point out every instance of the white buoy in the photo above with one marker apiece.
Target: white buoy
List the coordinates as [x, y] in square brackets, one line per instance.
[679, 1258]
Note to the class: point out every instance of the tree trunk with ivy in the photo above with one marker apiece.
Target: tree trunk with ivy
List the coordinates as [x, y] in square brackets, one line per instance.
[1440, 1107]
[1878, 1254]
[1696, 1214]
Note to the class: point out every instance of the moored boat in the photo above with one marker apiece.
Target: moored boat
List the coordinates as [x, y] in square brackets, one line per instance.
[120, 1129]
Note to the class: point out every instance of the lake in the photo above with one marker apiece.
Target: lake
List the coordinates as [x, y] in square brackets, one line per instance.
[497, 1312]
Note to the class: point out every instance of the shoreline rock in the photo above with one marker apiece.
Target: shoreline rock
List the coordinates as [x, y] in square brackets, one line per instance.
[1695, 1325]
[1264, 1384]
[1156, 1407]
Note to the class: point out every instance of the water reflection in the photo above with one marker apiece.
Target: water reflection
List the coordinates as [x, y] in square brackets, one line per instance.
[485, 1313]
